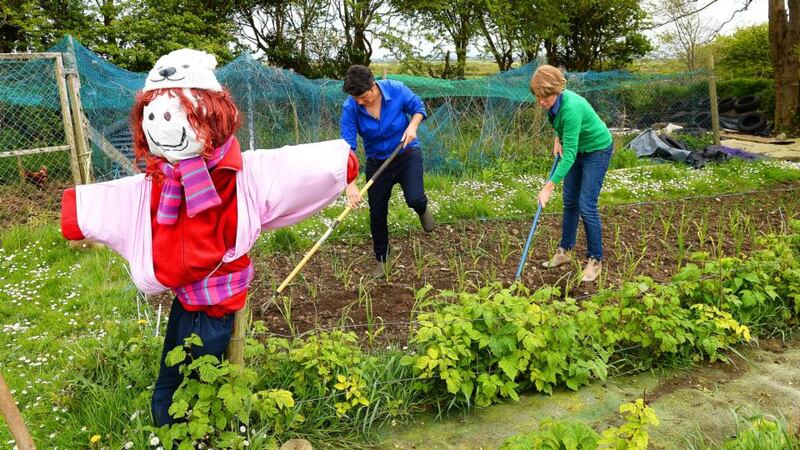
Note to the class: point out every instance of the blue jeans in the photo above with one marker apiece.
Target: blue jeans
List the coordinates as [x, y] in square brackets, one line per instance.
[215, 334]
[406, 169]
[582, 186]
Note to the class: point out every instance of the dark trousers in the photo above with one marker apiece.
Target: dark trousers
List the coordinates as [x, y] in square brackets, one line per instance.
[406, 170]
[582, 186]
[215, 334]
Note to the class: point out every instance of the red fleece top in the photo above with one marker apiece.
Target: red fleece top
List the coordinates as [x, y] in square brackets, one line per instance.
[193, 247]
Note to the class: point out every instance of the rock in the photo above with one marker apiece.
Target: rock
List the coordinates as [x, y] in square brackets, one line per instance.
[296, 444]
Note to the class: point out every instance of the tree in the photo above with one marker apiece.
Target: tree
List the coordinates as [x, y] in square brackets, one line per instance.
[456, 18]
[518, 27]
[286, 31]
[34, 26]
[304, 34]
[357, 17]
[745, 53]
[784, 41]
[498, 24]
[143, 30]
[598, 35]
[688, 31]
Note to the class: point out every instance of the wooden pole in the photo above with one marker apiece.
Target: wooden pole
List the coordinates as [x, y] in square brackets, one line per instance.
[385, 73]
[21, 168]
[79, 124]
[296, 122]
[251, 134]
[712, 92]
[19, 431]
[236, 344]
[66, 116]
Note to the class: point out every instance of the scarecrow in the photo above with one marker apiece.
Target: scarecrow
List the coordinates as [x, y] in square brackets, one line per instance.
[188, 222]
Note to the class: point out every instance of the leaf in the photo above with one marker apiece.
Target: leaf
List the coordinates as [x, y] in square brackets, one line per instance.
[230, 399]
[220, 421]
[198, 428]
[193, 339]
[208, 373]
[509, 366]
[467, 388]
[178, 409]
[175, 356]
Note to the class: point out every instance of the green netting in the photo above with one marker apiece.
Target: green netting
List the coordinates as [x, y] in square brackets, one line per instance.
[471, 123]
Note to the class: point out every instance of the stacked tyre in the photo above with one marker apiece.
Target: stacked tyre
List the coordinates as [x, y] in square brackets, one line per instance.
[743, 113]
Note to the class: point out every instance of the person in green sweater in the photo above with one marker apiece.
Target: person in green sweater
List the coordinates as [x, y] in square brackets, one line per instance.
[585, 146]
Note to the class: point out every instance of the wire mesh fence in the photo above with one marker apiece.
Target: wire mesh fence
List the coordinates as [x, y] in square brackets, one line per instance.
[37, 144]
[471, 123]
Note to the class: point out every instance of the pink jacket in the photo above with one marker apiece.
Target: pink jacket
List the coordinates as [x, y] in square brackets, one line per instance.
[275, 188]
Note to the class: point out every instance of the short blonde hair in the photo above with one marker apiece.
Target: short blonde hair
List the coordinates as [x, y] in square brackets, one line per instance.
[547, 81]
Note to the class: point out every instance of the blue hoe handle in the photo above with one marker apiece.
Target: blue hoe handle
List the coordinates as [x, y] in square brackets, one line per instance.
[524, 256]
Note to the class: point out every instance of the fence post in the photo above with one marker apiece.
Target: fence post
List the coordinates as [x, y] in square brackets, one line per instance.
[251, 135]
[66, 116]
[79, 124]
[712, 93]
[385, 73]
[19, 431]
[294, 108]
[21, 169]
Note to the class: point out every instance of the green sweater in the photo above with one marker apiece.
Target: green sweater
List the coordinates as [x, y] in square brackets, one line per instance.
[580, 130]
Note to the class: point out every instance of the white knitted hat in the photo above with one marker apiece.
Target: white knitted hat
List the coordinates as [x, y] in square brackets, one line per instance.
[184, 68]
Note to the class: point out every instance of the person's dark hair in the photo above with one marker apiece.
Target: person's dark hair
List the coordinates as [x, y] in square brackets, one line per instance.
[357, 80]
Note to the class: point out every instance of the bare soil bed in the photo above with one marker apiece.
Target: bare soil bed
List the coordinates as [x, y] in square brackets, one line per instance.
[645, 239]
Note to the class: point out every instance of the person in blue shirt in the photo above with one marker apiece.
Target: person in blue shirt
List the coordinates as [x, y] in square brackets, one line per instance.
[385, 113]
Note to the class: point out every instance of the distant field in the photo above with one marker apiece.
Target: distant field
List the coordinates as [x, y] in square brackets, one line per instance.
[474, 68]
[482, 68]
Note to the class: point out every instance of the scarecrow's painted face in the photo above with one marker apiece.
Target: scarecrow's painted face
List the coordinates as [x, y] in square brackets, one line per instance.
[168, 131]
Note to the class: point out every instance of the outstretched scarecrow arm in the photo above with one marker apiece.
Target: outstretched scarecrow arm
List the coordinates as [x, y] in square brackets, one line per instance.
[293, 182]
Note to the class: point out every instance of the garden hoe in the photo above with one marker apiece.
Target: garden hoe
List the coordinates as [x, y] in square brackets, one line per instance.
[524, 256]
[330, 229]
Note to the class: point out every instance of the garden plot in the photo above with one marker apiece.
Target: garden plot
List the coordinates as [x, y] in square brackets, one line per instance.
[648, 239]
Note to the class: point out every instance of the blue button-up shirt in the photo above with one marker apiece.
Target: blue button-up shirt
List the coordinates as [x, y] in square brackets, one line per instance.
[381, 136]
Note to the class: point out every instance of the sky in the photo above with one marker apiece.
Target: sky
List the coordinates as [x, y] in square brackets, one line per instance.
[722, 11]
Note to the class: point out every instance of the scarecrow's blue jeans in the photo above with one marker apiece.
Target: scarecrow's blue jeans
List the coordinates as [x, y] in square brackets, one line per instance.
[406, 169]
[215, 334]
[582, 186]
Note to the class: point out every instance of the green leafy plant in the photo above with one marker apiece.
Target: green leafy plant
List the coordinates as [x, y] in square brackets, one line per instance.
[554, 435]
[632, 435]
[216, 401]
[568, 435]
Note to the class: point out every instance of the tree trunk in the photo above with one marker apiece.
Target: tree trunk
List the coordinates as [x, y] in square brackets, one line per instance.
[362, 46]
[784, 37]
[461, 41]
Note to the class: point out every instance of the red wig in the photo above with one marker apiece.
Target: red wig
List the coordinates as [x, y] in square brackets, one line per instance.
[213, 115]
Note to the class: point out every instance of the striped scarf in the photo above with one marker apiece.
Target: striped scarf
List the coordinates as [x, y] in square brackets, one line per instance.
[191, 177]
[212, 290]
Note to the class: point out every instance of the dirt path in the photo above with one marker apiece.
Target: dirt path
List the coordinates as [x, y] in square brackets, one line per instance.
[702, 402]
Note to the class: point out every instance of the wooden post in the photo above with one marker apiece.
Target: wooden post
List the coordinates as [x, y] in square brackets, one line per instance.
[385, 74]
[16, 425]
[294, 109]
[251, 134]
[296, 124]
[66, 116]
[82, 143]
[236, 344]
[21, 169]
[712, 93]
